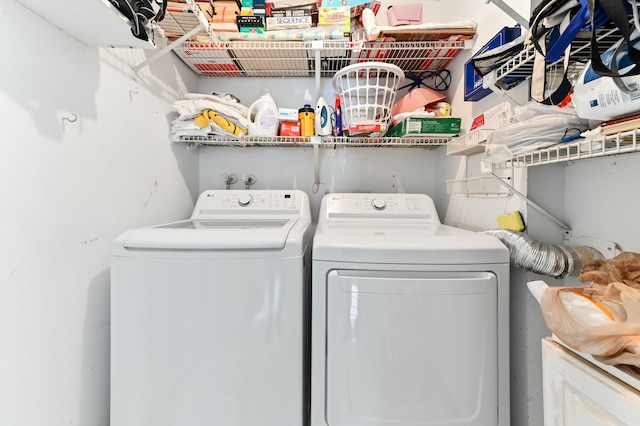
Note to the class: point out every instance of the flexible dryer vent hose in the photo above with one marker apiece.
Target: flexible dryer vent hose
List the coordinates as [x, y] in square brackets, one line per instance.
[542, 258]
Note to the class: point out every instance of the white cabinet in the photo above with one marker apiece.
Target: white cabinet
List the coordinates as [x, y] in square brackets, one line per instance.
[92, 22]
[578, 393]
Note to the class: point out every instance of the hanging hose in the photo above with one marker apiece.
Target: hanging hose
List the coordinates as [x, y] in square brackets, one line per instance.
[542, 258]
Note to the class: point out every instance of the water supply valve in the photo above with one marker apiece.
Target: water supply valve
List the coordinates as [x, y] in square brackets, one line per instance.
[248, 180]
[229, 179]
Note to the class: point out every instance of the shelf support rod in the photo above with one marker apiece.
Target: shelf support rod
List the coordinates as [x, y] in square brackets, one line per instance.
[317, 46]
[524, 23]
[167, 48]
[315, 140]
[540, 209]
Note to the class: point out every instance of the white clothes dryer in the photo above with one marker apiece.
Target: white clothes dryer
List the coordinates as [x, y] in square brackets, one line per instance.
[409, 317]
[209, 316]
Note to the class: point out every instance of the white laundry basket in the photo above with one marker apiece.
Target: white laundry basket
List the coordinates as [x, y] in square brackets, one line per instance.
[367, 92]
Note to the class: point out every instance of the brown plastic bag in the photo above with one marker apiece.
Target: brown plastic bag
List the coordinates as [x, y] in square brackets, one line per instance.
[615, 340]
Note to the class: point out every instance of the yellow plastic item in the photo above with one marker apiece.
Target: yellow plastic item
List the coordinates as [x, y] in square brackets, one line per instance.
[202, 120]
[511, 221]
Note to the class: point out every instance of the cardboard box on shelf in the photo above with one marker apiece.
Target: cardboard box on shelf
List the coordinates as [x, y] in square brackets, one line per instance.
[493, 118]
[224, 15]
[287, 114]
[366, 128]
[335, 17]
[280, 13]
[251, 24]
[289, 128]
[288, 22]
[429, 126]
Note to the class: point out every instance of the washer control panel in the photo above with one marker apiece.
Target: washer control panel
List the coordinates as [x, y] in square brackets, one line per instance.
[215, 202]
[383, 206]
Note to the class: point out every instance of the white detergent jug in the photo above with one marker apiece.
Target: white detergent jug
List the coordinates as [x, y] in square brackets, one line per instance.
[263, 116]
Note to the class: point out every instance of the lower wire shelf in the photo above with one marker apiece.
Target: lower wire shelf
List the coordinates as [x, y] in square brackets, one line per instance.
[620, 143]
[479, 185]
[310, 141]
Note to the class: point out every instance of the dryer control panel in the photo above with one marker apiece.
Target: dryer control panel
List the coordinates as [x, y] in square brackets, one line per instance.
[379, 206]
[262, 202]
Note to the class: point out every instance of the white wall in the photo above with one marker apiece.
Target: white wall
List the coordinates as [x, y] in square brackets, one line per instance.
[68, 189]
[601, 199]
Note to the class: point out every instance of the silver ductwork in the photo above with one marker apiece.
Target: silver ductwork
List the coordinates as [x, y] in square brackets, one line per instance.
[543, 258]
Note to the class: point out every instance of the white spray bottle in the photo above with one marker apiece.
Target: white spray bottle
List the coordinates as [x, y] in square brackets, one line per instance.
[323, 118]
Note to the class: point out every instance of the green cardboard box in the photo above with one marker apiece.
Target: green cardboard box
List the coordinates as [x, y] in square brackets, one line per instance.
[430, 126]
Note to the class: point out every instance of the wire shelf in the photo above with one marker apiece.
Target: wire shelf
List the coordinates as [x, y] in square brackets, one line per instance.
[621, 143]
[479, 185]
[271, 58]
[242, 55]
[470, 143]
[520, 67]
[324, 141]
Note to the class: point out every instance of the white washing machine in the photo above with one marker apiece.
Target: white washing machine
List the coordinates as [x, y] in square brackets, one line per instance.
[409, 317]
[208, 315]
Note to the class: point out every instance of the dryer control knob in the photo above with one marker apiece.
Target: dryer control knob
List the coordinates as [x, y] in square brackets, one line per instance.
[378, 204]
[245, 199]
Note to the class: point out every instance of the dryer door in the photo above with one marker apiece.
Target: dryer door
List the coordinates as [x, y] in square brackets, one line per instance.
[411, 348]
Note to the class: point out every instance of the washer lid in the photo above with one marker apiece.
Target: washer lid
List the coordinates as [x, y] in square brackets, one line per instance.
[398, 243]
[212, 234]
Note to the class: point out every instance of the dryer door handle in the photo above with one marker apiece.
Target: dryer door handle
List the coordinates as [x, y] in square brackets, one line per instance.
[434, 283]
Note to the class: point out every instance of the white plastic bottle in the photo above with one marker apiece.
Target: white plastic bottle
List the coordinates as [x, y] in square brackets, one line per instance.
[263, 116]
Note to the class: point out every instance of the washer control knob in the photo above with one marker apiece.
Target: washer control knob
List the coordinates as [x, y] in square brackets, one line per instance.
[378, 204]
[245, 199]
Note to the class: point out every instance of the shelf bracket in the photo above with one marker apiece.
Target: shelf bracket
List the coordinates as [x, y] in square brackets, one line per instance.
[539, 208]
[524, 23]
[167, 48]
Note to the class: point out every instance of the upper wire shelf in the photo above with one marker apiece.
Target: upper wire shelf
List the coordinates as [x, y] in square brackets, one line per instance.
[520, 67]
[212, 55]
[272, 58]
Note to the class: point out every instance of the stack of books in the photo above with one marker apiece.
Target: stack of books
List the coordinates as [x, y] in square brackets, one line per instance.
[621, 124]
